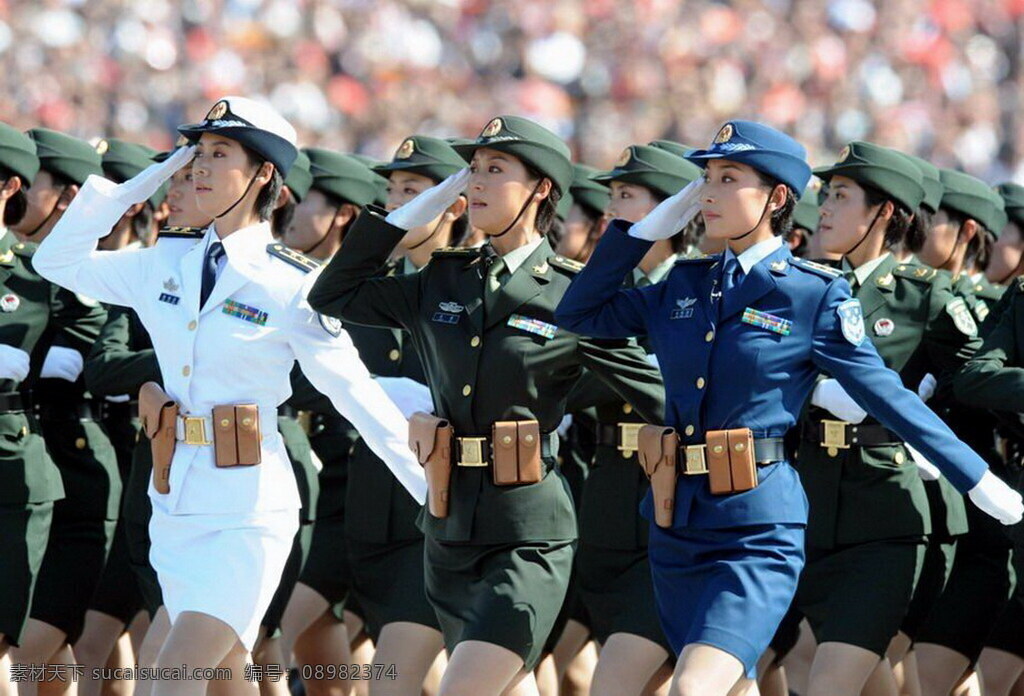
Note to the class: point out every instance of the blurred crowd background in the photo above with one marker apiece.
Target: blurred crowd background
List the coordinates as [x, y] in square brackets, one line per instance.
[941, 78]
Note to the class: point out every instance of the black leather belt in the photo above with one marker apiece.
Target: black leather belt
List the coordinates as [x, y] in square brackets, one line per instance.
[11, 403]
[81, 410]
[119, 409]
[476, 451]
[286, 411]
[692, 459]
[842, 435]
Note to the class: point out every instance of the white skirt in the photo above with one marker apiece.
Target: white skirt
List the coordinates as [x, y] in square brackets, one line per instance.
[225, 565]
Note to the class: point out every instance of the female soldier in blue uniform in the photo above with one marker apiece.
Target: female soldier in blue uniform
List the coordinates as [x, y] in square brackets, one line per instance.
[741, 338]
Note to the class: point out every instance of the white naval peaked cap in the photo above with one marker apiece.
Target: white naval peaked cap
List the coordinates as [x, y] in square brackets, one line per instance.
[252, 123]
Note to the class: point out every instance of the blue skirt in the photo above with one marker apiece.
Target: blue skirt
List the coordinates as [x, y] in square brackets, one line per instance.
[728, 588]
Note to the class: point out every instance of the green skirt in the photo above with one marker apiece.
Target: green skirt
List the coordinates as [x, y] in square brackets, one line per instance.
[504, 594]
[24, 531]
[388, 584]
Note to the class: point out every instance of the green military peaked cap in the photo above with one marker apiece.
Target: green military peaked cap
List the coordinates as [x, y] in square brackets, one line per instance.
[342, 176]
[1013, 202]
[972, 197]
[62, 154]
[299, 178]
[18, 154]
[586, 191]
[930, 180]
[677, 149]
[881, 168]
[806, 213]
[422, 154]
[529, 142]
[382, 183]
[653, 168]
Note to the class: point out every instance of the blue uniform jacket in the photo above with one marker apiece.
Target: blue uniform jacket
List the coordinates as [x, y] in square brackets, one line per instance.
[723, 370]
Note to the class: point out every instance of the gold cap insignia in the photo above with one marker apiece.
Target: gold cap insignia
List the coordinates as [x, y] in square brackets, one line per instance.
[624, 158]
[102, 147]
[406, 149]
[724, 135]
[844, 154]
[218, 111]
[491, 129]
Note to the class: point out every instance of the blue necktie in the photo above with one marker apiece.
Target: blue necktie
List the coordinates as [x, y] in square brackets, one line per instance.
[213, 255]
[732, 275]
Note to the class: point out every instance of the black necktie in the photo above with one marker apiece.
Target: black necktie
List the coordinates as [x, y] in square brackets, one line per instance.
[213, 255]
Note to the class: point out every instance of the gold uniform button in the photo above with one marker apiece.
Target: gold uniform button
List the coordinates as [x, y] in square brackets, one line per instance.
[475, 341]
[899, 458]
[700, 382]
[186, 370]
[627, 408]
[709, 336]
[192, 325]
[394, 355]
[833, 451]
[466, 390]
[690, 430]
[80, 443]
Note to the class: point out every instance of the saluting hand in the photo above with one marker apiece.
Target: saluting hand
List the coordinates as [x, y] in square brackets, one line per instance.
[430, 203]
[996, 499]
[143, 185]
[672, 214]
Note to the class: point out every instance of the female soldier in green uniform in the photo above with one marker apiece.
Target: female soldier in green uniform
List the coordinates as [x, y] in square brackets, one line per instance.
[385, 546]
[953, 634]
[868, 507]
[31, 482]
[497, 565]
[84, 521]
[1007, 260]
[340, 185]
[613, 572]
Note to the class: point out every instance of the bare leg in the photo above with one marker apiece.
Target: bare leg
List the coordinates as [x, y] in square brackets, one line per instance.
[154, 639]
[268, 657]
[478, 668]
[94, 647]
[660, 682]
[905, 673]
[546, 676]
[137, 630]
[626, 664]
[799, 660]
[1001, 670]
[121, 657]
[411, 648]
[575, 659]
[969, 685]
[200, 640]
[66, 686]
[771, 677]
[40, 643]
[362, 650]
[432, 684]
[305, 606]
[704, 670]
[841, 669]
[323, 644]
[882, 682]
[939, 668]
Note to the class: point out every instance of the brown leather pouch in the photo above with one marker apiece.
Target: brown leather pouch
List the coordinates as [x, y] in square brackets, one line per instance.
[658, 448]
[430, 439]
[719, 470]
[157, 414]
[515, 447]
[236, 435]
[741, 459]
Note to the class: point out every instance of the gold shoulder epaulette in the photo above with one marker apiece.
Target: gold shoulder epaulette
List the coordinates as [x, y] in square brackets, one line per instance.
[295, 258]
[566, 264]
[181, 233]
[455, 252]
[25, 249]
[923, 274]
[815, 267]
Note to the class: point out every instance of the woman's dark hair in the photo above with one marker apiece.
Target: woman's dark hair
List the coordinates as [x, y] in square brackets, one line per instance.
[17, 205]
[460, 228]
[281, 220]
[782, 218]
[978, 249]
[546, 212]
[266, 201]
[143, 221]
[899, 223]
[917, 233]
[801, 248]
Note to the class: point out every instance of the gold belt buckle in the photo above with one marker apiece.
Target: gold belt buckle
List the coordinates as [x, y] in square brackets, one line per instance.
[834, 435]
[696, 461]
[195, 431]
[471, 451]
[629, 438]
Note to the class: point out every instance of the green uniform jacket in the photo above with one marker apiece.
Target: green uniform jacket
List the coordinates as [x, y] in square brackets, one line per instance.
[485, 369]
[871, 493]
[994, 377]
[31, 309]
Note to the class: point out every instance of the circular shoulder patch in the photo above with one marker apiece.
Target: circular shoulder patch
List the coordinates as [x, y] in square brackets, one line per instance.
[332, 325]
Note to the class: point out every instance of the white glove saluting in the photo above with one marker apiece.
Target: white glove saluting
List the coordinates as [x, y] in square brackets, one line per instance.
[430, 203]
[409, 395]
[671, 215]
[14, 363]
[996, 499]
[830, 395]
